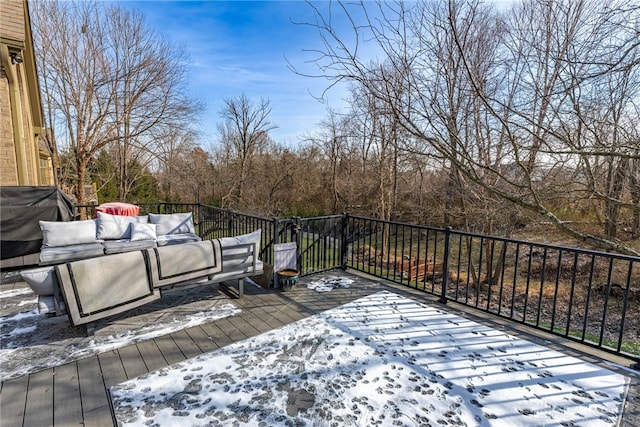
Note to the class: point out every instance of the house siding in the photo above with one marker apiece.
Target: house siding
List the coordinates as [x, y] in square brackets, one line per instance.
[21, 158]
[12, 19]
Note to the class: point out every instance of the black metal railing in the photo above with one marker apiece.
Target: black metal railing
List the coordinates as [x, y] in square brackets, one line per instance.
[321, 244]
[587, 296]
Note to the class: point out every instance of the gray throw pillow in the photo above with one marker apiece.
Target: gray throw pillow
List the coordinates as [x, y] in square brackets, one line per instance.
[143, 232]
[172, 223]
[116, 227]
[41, 280]
[56, 233]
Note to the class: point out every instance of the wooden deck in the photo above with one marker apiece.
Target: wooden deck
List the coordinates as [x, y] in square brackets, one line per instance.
[76, 394]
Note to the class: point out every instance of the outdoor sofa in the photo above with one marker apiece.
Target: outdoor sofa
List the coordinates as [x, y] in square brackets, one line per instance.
[111, 234]
[91, 287]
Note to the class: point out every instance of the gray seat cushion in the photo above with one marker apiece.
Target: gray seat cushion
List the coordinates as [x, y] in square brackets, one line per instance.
[126, 245]
[58, 254]
[176, 239]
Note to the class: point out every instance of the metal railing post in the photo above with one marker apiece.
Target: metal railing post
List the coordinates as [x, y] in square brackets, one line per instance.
[445, 265]
[276, 231]
[344, 244]
[200, 221]
[297, 237]
[229, 223]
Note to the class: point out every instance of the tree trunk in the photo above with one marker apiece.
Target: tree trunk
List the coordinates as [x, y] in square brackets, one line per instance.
[634, 184]
[616, 179]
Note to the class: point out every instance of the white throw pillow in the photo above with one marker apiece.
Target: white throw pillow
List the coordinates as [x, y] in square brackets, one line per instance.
[57, 233]
[172, 223]
[116, 227]
[142, 231]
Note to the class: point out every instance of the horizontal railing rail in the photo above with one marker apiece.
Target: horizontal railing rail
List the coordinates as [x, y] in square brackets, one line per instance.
[587, 296]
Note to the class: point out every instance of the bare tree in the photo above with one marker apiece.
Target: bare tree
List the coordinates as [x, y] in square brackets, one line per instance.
[331, 140]
[173, 165]
[244, 132]
[490, 94]
[109, 79]
[567, 50]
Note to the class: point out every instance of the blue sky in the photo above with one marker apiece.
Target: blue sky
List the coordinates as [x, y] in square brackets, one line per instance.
[242, 47]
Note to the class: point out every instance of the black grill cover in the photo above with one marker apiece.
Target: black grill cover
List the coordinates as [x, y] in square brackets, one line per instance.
[20, 210]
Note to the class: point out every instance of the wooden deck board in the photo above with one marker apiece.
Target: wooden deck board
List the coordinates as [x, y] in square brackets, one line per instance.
[216, 334]
[93, 394]
[258, 324]
[67, 407]
[113, 371]
[39, 399]
[132, 361]
[169, 349]
[13, 396]
[151, 354]
[185, 343]
[202, 339]
[271, 319]
[231, 330]
[283, 317]
[77, 393]
[244, 325]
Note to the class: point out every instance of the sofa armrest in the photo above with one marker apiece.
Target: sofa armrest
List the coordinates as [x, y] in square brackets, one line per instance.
[240, 255]
[96, 288]
[174, 264]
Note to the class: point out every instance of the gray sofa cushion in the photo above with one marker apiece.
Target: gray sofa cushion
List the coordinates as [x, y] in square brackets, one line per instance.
[175, 239]
[42, 281]
[116, 227]
[59, 254]
[57, 233]
[239, 248]
[126, 245]
[178, 223]
[253, 237]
